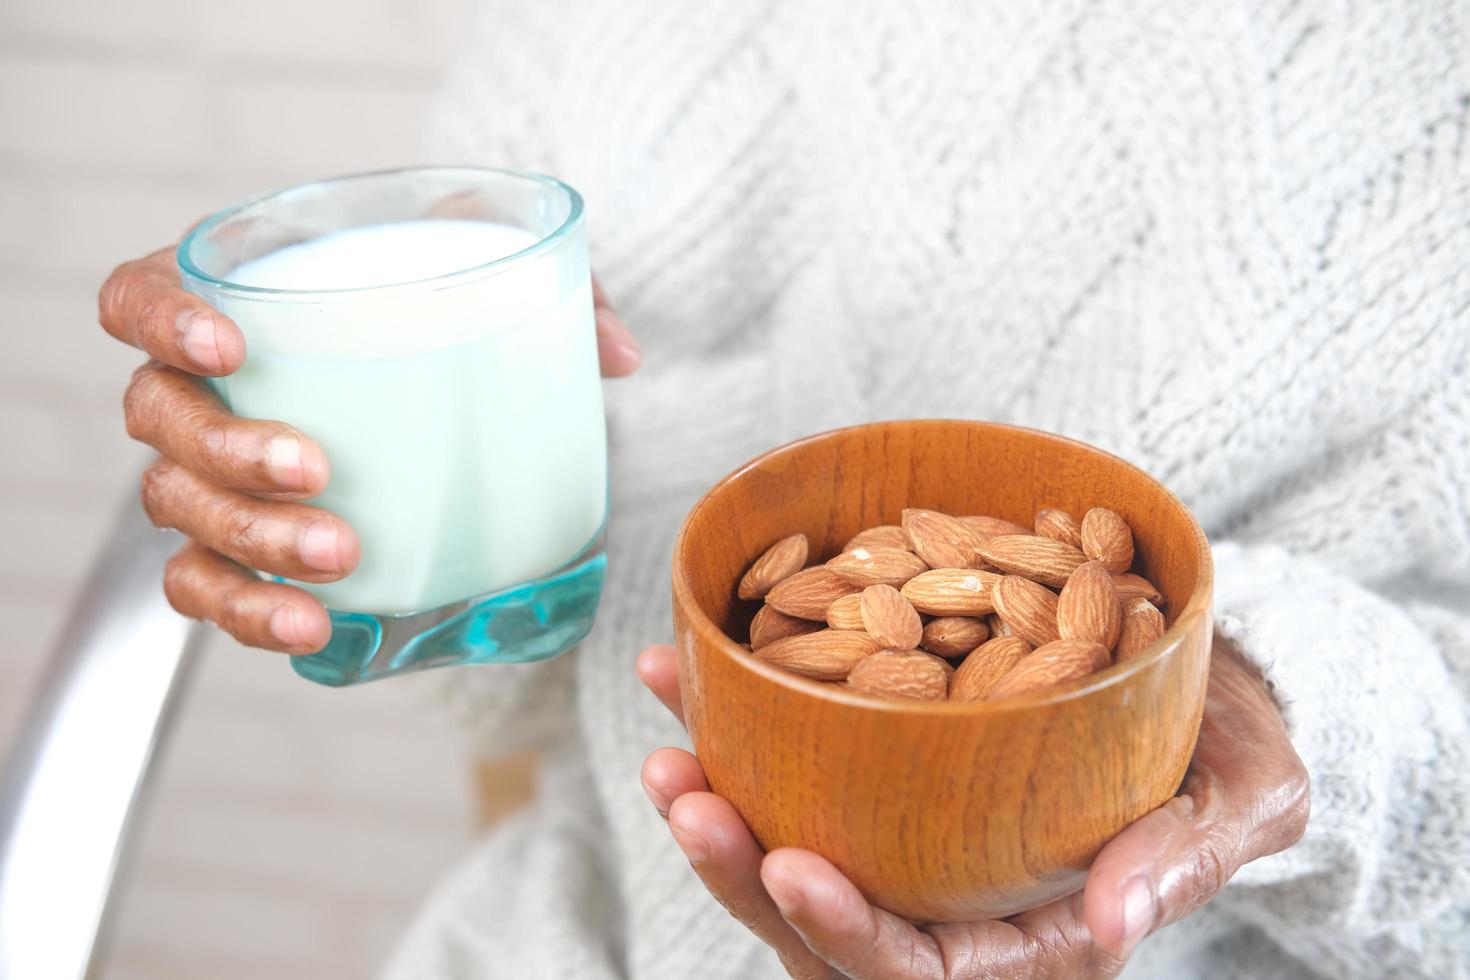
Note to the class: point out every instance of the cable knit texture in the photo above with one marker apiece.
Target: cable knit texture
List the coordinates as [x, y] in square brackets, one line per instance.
[1227, 241]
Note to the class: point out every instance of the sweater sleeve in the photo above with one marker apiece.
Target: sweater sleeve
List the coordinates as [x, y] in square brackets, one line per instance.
[1380, 722]
[1351, 592]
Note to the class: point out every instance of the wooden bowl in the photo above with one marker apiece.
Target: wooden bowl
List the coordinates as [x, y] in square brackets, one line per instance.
[938, 811]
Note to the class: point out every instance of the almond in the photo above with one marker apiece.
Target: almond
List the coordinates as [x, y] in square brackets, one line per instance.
[1040, 559]
[882, 536]
[1059, 526]
[889, 618]
[998, 626]
[1131, 586]
[986, 665]
[1088, 608]
[877, 566]
[900, 674]
[826, 655]
[939, 539]
[953, 636]
[1056, 663]
[990, 527]
[808, 593]
[1030, 610]
[770, 625]
[1106, 538]
[845, 614]
[951, 592]
[781, 560]
[1142, 625]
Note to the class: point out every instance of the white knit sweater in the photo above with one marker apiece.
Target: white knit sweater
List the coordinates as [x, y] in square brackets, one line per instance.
[1227, 241]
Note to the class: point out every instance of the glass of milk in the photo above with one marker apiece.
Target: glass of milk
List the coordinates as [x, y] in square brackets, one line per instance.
[432, 330]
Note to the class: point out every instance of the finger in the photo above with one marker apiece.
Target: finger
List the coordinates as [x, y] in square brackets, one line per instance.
[177, 415]
[658, 668]
[277, 537]
[142, 304]
[617, 350]
[1246, 796]
[670, 773]
[1054, 941]
[203, 585]
[727, 859]
[1050, 941]
[839, 925]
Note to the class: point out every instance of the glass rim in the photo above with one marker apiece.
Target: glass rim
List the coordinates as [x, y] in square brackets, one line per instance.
[196, 234]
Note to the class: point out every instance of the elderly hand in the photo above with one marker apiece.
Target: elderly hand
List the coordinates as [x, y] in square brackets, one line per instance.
[1245, 796]
[234, 486]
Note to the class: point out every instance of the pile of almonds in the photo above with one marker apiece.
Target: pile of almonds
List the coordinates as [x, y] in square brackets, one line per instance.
[965, 608]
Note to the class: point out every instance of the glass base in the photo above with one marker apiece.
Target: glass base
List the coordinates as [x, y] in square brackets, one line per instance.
[531, 621]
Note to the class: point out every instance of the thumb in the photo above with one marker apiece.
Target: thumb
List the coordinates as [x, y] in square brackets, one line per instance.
[1246, 796]
[617, 351]
[1157, 871]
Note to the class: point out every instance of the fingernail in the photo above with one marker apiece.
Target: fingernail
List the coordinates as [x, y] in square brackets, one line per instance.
[284, 625]
[695, 847]
[197, 330]
[655, 799]
[612, 327]
[283, 460]
[631, 352]
[1138, 911]
[319, 546]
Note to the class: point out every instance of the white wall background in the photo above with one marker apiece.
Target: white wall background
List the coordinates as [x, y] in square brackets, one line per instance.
[295, 827]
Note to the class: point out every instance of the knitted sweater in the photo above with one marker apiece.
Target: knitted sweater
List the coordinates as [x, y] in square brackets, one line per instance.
[1229, 242]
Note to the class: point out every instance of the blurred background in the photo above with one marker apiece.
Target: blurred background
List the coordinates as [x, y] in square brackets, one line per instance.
[293, 828]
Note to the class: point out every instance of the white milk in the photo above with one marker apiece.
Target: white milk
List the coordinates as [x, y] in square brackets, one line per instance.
[462, 418]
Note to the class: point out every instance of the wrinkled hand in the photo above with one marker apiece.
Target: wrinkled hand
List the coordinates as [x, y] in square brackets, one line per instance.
[234, 486]
[1245, 796]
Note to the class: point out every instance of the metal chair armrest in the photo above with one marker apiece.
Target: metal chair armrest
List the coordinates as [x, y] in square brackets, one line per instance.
[70, 793]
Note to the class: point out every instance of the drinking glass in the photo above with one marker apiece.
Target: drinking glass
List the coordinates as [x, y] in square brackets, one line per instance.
[461, 415]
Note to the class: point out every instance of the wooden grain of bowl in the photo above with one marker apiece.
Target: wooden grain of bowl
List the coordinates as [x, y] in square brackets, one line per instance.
[938, 811]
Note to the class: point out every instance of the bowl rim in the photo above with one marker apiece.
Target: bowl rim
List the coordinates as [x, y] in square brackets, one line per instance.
[1195, 607]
